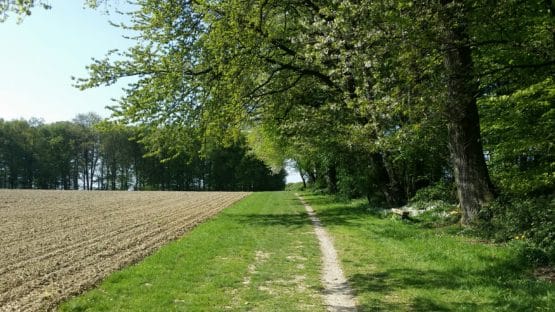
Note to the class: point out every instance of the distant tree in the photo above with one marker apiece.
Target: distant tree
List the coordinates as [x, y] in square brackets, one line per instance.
[89, 144]
[63, 151]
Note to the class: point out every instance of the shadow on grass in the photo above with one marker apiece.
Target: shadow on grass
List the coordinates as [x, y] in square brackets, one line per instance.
[513, 293]
[495, 284]
[344, 214]
[340, 215]
[286, 220]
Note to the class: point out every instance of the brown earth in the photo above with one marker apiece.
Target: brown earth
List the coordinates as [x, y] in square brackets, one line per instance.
[55, 244]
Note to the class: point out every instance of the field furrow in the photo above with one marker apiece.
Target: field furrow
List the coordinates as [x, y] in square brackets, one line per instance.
[58, 243]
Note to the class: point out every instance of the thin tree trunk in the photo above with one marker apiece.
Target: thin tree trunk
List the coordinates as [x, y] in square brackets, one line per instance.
[386, 183]
[94, 164]
[301, 173]
[474, 188]
[332, 179]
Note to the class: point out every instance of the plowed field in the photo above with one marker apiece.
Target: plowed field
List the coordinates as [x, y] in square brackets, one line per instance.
[57, 243]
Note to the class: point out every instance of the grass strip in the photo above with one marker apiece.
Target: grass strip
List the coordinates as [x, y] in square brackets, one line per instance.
[395, 265]
[258, 255]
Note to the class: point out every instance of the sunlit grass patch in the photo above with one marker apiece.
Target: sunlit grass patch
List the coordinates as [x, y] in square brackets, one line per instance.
[259, 255]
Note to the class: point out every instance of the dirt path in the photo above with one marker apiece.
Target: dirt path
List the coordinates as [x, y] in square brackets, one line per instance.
[337, 294]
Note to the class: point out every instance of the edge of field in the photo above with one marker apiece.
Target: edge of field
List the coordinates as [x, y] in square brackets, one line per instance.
[258, 254]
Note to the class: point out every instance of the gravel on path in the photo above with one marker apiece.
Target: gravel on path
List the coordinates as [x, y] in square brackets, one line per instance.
[337, 292]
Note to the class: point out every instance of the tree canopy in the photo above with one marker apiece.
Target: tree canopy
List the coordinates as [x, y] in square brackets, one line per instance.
[393, 85]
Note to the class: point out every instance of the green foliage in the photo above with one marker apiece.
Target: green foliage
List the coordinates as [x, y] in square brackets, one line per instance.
[348, 185]
[519, 132]
[36, 155]
[437, 214]
[20, 7]
[439, 204]
[92, 154]
[531, 220]
[440, 191]
[265, 146]
[233, 168]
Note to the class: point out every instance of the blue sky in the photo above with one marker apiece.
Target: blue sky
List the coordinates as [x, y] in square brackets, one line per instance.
[39, 56]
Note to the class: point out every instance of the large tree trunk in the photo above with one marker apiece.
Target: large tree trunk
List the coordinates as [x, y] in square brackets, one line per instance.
[474, 188]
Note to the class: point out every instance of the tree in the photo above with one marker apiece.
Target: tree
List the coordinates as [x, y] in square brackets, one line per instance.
[17, 150]
[22, 8]
[519, 136]
[474, 188]
[89, 146]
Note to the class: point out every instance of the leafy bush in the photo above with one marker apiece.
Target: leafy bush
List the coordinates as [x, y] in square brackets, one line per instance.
[439, 202]
[442, 191]
[351, 185]
[530, 220]
[531, 254]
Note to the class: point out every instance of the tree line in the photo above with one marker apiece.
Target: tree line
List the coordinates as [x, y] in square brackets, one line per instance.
[90, 153]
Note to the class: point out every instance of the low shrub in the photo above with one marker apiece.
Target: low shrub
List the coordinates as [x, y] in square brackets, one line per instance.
[530, 220]
[441, 191]
[439, 202]
[438, 213]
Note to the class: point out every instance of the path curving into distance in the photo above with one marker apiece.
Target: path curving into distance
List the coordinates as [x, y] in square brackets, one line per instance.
[337, 292]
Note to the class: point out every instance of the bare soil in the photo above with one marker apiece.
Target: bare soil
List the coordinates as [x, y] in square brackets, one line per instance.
[55, 244]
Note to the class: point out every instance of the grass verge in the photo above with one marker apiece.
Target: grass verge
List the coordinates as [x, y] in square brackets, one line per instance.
[258, 255]
[394, 265]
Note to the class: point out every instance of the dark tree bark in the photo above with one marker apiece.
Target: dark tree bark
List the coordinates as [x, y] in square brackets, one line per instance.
[387, 184]
[311, 176]
[332, 178]
[474, 187]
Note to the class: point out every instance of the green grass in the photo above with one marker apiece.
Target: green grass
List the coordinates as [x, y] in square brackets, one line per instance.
[261, 255]
[395, 265]
[258, 255]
